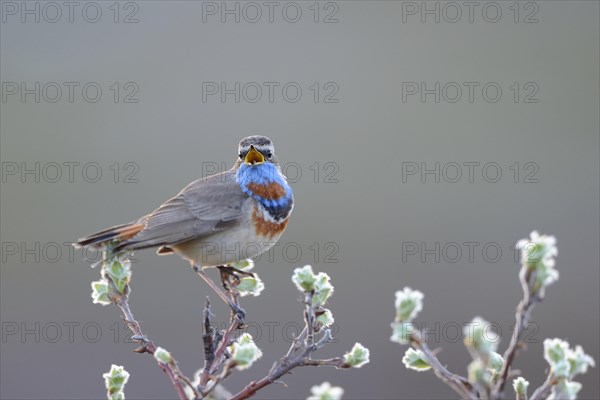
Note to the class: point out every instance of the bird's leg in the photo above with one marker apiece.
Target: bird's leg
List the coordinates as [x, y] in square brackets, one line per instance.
[229, 273]
[226, 279]
[240, 314]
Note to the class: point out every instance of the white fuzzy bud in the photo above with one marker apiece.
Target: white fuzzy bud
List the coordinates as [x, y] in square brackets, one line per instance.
[357, 357]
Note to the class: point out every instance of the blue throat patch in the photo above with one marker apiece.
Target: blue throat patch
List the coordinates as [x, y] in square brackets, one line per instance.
[265, 174]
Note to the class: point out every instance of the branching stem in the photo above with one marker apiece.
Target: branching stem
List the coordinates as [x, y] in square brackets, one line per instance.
[522, 317]
[298, 355]
[148, 346]
[458, 383]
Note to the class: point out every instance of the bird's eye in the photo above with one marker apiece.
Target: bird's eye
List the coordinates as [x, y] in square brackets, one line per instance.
[269, 154]
[241, 156]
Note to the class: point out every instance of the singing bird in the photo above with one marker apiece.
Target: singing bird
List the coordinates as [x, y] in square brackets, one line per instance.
[214, 221]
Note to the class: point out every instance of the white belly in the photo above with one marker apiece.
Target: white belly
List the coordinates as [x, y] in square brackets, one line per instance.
[225, 247]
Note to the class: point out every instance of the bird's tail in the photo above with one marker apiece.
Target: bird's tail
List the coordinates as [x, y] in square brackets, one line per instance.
[102, 238]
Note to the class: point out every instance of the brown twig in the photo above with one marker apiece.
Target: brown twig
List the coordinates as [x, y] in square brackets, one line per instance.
[209, 347]
[544, 391]
[148, 347]
[298, 355]
[216, 357]
[309, 315]
[216, 343]
[225, 341]
[296, 344]
[282, 368]
[522, 317]
[458, 383]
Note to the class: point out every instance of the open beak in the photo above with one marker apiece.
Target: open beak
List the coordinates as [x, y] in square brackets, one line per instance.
[254, 157]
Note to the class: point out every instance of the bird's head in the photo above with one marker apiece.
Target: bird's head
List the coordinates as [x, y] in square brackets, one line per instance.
[256, 150]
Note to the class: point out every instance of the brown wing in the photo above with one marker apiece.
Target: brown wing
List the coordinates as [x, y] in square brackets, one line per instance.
[201, 208]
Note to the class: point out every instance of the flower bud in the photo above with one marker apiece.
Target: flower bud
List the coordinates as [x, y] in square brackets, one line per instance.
[415, 360]
[578, 361]
[357, 357]
[304, 278]
[478, 374]
[538, 258]
[402, 332]
[520, 386]
[244, 352]
[555, 353]
[115, 381]
[324, 318]
[326, 392]
[244, 265]
[250, 285]
[479, 338]
[120, 273]
[100, 290]
[496, 362]
[323, 289]
[565, 390]
[162, 356]
[408, 304]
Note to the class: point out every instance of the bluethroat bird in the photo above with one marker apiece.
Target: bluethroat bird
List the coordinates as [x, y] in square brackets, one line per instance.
[245, 208]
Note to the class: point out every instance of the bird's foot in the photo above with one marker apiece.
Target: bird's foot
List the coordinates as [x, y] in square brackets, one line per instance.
[231, 275]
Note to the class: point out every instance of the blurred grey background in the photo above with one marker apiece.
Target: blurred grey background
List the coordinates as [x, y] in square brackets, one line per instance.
[364, 120]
